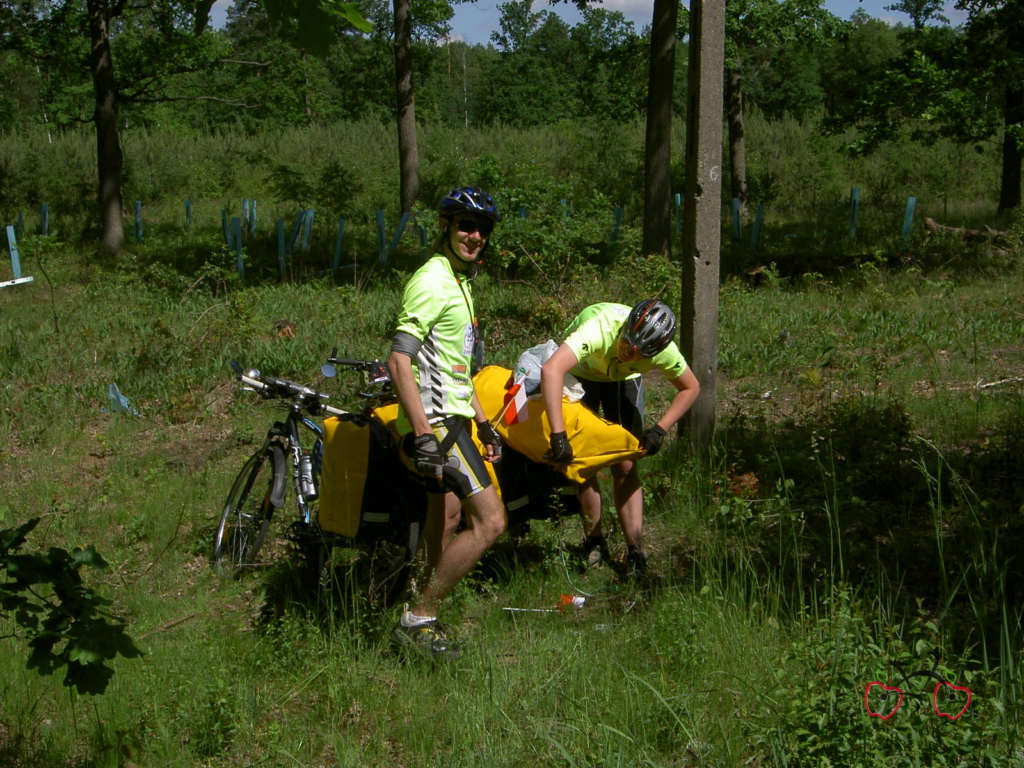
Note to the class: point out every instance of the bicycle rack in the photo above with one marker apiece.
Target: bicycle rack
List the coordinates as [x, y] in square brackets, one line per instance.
[15, 262]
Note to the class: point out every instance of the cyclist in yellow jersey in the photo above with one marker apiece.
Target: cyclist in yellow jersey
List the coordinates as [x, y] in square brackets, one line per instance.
[609, 347]
[430, 367]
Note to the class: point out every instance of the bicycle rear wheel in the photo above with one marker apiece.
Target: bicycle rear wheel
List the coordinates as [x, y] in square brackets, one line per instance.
[258, 489]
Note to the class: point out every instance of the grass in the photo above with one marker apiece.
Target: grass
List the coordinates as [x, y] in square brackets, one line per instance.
[871, 418]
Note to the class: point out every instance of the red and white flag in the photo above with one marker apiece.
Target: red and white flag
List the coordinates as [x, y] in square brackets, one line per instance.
[514, 409]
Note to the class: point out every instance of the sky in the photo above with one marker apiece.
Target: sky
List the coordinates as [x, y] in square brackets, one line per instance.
[474, 21]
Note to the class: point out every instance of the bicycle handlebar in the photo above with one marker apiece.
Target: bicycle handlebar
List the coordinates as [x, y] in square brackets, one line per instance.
[351, 363]
[271, 386]
[376, 371]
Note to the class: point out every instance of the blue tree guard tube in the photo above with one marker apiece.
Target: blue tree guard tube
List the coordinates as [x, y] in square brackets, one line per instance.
[677, 203]
[737, 225]
[854, 211]
[245, 211]
[12, 244]
[138, 222]
[908, 217]
[236, 231]
[281, 250]
[423, 242]
[307, 229]
[399, 230]
[522, 211]
[382, 254]
[336, 262]
[296, 230]
[755, 233]
[45, 214]
[188, 213]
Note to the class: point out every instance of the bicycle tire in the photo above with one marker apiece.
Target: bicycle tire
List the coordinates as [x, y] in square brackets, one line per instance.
[245, 519]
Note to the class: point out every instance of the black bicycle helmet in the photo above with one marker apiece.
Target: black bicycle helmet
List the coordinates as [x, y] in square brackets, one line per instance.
[469, 200]
[649, 327]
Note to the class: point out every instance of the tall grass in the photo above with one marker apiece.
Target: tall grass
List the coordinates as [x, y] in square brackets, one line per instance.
[852, 431]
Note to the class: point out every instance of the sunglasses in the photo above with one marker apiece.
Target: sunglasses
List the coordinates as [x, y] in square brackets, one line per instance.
[469, 226]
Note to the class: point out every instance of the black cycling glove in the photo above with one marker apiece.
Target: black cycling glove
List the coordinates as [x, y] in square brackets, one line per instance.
[561, 451]
[488, 435]
[426, 455]
[652, 440]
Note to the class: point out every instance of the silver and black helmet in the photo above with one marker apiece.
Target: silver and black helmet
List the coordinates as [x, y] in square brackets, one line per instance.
[650, 327]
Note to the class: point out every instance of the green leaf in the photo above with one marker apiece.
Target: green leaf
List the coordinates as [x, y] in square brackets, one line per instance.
[88, 678]
[316, 20]
[348, 12]
[83, 655]
[88, 556]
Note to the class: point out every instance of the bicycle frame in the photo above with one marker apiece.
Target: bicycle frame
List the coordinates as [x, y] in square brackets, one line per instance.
[288, 430]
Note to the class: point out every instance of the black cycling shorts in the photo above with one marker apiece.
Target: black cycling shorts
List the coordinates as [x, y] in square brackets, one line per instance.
[464, 473]
[619, 401]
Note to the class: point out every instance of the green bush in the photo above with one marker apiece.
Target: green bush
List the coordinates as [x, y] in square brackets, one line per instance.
[815, 712]
[65, 623]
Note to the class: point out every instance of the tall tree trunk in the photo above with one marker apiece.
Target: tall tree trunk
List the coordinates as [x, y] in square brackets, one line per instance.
[1013, 115]
[737, 141]
[702, 214]
[408, 153]
[202, 18]
[110, 161]
[658, 141]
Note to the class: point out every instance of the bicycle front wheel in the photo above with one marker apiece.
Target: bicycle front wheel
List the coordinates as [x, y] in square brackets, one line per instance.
[245, 520]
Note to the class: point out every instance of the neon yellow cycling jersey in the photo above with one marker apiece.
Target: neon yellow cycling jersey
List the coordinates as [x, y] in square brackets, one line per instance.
[593, 336]
[437, 309]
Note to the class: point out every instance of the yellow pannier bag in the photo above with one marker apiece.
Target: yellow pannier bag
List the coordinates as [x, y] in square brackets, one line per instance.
[596, 443]
[364, 491]
[343, 479]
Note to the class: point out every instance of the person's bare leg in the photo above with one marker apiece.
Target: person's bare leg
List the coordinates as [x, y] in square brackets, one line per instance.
[442, 519]
[590, 507]
[485, 521]
[629, 501]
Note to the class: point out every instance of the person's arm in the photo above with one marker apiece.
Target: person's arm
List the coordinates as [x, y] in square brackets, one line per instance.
[687, 389]
[485, 433]
[478, 410]
[426, 455]
[552, 379]
[408, 391]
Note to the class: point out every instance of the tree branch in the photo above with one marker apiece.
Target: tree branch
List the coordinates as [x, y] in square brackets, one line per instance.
[243, 61]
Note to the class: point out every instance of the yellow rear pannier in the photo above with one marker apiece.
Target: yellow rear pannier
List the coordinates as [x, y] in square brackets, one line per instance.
[364, 490]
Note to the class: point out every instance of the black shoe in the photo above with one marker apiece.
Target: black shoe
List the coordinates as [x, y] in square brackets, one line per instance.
[594, 551]
[427, 639]
[636, 562]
